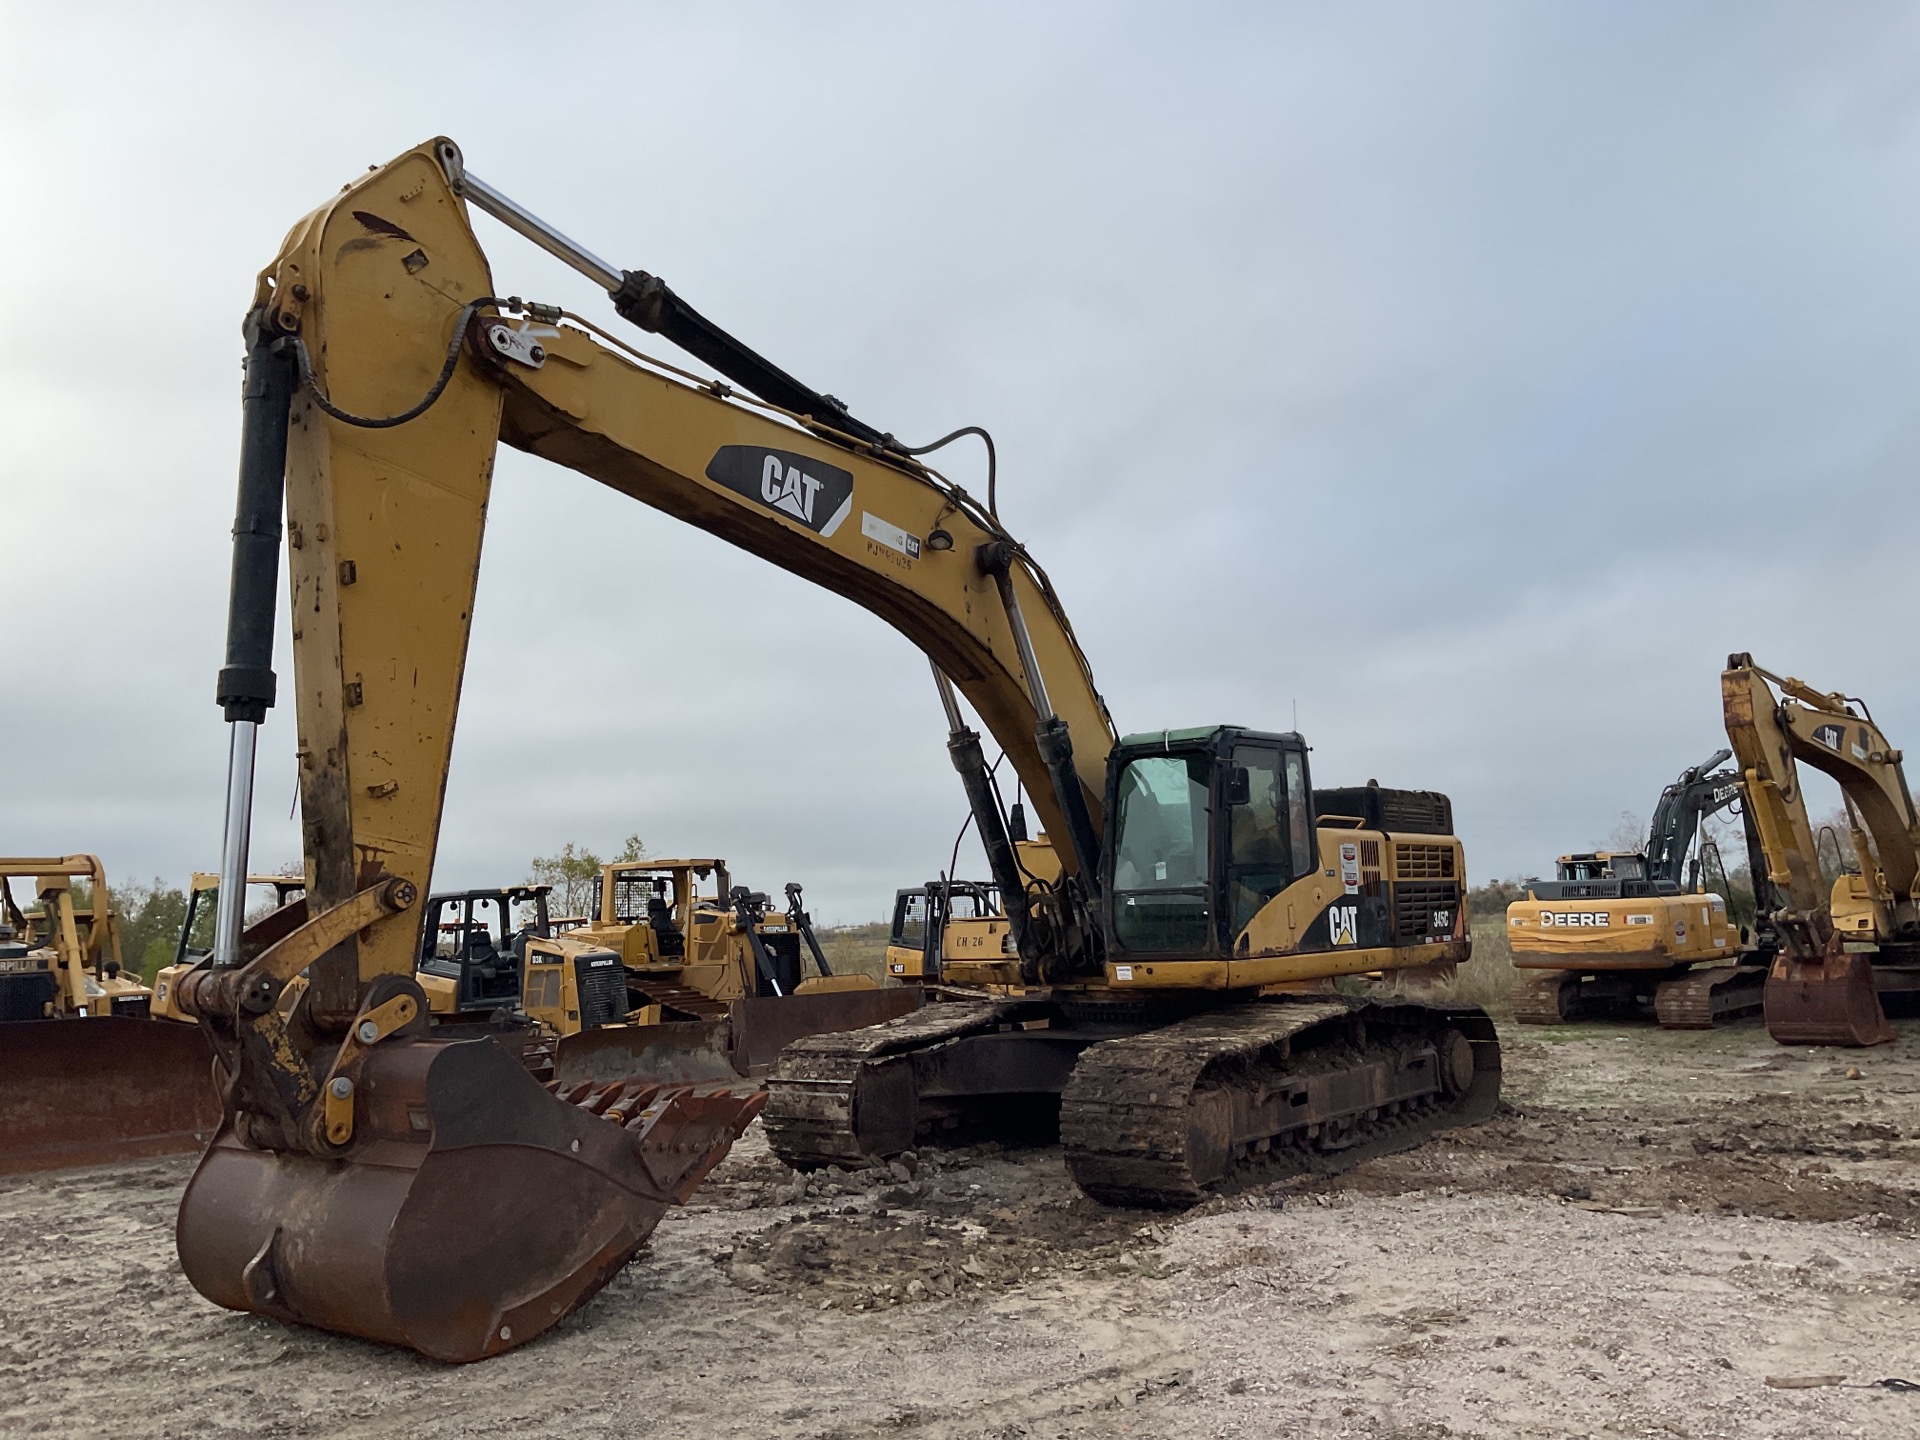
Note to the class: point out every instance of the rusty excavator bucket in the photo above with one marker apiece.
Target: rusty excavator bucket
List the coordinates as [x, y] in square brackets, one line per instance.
[1829, 1001]
[90, 1091]
[476, 1210]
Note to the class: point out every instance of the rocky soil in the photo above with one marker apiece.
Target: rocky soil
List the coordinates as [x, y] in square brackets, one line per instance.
[1690, 1235]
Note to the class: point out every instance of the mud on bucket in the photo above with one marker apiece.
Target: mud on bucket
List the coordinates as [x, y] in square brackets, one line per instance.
[474, 1211]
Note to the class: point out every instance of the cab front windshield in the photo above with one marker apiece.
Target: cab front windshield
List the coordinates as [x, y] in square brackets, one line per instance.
[1160, 853]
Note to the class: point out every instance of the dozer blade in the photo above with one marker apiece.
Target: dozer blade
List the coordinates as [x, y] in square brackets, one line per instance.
[676, 1052]
[1831, 1001]
[91, 1091]
[763, 1026]
[756, 1030]
[474, 1211]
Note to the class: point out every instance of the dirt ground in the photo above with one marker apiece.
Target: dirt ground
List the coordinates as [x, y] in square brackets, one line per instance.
[1654, 1226]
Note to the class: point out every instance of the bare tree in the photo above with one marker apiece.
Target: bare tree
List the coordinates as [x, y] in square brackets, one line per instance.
[574, 874]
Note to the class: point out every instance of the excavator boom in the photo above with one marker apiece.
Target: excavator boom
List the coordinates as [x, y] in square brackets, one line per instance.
[1825, 983]
[382, 371]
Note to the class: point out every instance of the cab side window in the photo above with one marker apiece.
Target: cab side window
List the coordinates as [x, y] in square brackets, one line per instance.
[1306, 850]
[1258, 866]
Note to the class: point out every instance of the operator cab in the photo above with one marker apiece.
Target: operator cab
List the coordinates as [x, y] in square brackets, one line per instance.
[1603, 865]
[477, 940]
[916, 940]
[1601, 875]
[673, 899]
[1204, 827]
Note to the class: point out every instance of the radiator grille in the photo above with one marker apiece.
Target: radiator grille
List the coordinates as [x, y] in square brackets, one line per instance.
[602, 982]
[1423, 862]
[1418, 904]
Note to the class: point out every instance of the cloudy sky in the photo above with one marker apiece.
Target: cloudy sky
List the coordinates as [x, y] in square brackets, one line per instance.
[1472, 378]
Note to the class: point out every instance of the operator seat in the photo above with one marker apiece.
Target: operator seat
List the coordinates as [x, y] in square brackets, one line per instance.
[668, 938]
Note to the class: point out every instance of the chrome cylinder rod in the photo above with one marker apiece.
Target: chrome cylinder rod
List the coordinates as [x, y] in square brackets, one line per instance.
[522, 221]
[230, 907]
[948, 700]
[1023, 644]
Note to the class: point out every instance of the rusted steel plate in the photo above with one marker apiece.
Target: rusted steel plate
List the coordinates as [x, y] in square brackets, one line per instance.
[1831, 1001]
[673, 1052]
[474, 1211]
[91, 1091]
[763, 1027]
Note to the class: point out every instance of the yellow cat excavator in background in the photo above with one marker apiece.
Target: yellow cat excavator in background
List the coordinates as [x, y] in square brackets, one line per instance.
[86, 1075]
[1845, 945]
[427, 1192]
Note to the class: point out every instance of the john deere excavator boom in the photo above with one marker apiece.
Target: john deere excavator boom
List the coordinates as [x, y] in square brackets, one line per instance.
[472, 1209]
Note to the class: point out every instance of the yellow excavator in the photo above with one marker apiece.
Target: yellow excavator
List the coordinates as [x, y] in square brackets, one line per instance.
[1842, 946]
[88, 1076]
[427, 1192]
[1638, 930]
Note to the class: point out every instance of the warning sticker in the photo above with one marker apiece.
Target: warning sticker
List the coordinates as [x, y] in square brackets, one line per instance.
[1350, 866]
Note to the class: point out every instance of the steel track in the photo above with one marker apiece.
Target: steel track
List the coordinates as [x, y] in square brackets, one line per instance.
[1127, 1118]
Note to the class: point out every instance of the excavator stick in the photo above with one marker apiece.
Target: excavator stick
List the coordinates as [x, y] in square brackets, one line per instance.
[478, 1210]
[1829, 1001]
[102, 1089]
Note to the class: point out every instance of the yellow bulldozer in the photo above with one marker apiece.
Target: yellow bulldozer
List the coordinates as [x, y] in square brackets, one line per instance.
[375, 1178]
[677, 972]
[274, 895]
[63, 960]
[941, 922]
[87, 1074]
[952, 922]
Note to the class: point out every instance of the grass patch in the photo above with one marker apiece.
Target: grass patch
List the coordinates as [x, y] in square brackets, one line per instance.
[856, 949]
[1487, 979]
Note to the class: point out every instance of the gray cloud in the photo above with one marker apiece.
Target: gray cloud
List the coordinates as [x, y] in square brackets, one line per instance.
[1474, 378]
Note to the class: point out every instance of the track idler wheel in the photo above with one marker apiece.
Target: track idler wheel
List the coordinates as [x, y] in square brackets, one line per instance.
[1830, 1001]
[472, 1211]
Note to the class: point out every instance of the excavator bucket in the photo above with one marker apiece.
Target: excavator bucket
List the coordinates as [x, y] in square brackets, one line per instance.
[101, 1089]
[1830, 1001]
[475, 1210]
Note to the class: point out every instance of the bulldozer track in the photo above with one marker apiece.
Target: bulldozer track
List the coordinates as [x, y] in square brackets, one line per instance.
[815, 1090]
[1701, 999]
[1128, 1115]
